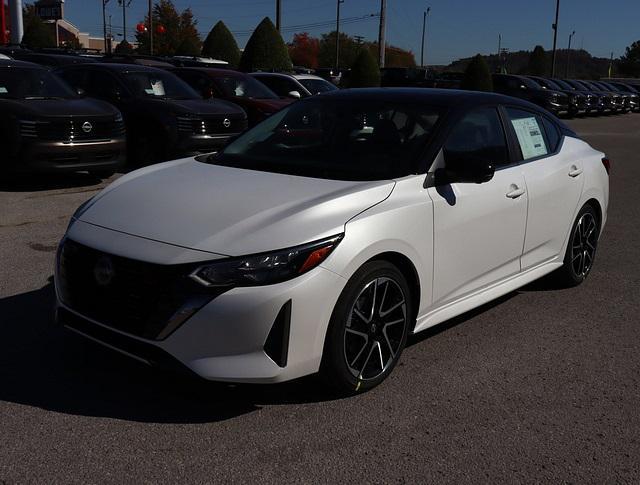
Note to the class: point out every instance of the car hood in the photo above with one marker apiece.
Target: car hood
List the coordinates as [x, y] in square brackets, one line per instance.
[229, 211]
[271, 105]
[197, 106]
[52, 108]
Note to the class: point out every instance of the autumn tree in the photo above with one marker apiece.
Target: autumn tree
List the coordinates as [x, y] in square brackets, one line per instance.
[304, 50]
[220, 44]
[180, 33]
[364, 71]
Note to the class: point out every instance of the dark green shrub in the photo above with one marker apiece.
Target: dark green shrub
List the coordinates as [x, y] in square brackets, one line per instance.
[265, 51]
[220, 44]
[477, 76]
[365, 72]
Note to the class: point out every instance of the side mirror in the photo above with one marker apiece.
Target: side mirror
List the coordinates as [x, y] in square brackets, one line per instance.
[294, 94]
[472, 171]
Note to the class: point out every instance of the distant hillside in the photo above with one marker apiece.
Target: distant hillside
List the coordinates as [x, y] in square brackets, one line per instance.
[583, 64]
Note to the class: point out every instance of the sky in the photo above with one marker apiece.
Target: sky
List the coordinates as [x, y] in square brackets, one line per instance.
[455, 28]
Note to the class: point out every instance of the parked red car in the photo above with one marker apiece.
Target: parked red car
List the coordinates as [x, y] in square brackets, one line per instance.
[254, 97]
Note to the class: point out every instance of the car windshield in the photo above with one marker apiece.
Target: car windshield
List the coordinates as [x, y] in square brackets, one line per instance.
[317, 86]
[338, 139]
[551, 84]
[564, 85]
[159, 85]
[29, 83]
[244, 87]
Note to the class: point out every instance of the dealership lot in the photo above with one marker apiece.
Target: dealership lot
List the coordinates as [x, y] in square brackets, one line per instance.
[543, 384]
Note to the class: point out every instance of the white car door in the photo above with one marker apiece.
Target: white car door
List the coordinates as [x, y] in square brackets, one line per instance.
[554, 183]
[479, 228]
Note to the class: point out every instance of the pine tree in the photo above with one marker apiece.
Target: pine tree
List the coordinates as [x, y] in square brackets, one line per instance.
[179, 30]
[265, 50]
[538, 62]
[364, 71]
[37, 34]
[477, 76]
[221, 45]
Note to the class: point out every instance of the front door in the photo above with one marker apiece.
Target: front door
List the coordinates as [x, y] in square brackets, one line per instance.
[479, 229]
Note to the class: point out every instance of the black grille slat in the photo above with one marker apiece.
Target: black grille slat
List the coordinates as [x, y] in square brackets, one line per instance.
[71, 130]
[140, 299]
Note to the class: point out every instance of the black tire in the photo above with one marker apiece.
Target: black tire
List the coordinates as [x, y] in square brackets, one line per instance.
[581, 248]
[384, 337]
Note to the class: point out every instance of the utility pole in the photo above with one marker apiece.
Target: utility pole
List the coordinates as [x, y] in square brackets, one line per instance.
[3, 24]
[104, 24]
[17, 27]
[124, 19]
[278, 14]
[425, 16]
[150, 28]
[338, 2]
[381, 33]
[555, 38]
[566, 74]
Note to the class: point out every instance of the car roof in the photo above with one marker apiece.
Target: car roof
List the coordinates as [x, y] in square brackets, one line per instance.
[212, 71]
[439, 97]
[308, 76]
[13, 63]
[115, 67]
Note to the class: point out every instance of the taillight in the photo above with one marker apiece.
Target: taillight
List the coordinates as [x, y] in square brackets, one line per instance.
[607, 164]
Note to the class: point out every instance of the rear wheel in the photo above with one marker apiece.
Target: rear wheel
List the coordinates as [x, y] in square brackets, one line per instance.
[368, 329]
[581, 249]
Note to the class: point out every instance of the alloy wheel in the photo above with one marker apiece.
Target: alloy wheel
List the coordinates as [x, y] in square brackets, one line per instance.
[583, 245]
[375, 328]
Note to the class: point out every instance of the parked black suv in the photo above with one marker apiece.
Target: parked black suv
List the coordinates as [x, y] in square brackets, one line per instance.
[165, 117]
[524, 88]
[578, 103]
[46, 126]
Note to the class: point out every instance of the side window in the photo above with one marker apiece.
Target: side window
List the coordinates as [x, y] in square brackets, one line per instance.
[478, 137]
[273, 83]
[529, 130]
[75, 78]
[553, 135]
[103, 86]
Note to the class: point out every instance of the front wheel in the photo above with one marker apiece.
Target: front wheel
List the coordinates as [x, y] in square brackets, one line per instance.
[368, 328]
[581, 249]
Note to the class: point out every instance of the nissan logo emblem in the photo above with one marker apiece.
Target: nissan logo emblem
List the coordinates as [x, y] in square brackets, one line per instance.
[103, 271]
[226, 123]
[87, 127]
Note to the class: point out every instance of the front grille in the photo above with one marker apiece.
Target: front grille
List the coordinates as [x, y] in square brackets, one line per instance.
[211, 126]
[143, 299]
[73, 130]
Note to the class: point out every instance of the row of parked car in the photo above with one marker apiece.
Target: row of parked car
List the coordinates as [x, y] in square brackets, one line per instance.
[71, 113]
[571, 97]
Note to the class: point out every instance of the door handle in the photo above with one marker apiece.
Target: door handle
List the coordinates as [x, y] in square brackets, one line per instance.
[515, 192]
[575, 171]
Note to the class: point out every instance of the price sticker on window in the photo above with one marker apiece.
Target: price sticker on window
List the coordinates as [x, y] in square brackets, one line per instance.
[530, 137]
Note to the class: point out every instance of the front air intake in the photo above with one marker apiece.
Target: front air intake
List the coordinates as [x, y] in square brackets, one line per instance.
[277, 344]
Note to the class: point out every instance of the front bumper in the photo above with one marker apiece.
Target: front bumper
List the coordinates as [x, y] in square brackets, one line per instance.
[224, 340]
[194, 145]
[50, 156]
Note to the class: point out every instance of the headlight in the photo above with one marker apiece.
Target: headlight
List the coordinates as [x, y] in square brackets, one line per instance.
[266, 268]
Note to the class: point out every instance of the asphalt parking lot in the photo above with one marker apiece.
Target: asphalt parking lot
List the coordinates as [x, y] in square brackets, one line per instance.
[543, 385]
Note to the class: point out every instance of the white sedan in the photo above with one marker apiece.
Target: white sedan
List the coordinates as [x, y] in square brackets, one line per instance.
[320, 239]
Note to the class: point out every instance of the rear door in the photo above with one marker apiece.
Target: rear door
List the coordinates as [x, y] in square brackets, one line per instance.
[479, 229]
[554, 181]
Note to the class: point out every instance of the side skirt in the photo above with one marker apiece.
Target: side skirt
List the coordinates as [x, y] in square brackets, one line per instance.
[485, 295]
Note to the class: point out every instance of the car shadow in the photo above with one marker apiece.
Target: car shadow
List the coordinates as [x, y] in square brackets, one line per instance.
[49, 367]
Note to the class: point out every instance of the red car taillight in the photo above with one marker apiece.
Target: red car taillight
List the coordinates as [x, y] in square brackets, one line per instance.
[607, 164]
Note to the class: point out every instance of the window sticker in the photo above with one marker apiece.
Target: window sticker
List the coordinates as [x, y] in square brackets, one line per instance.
[157, 87]
[3, 90]
[530, 137]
